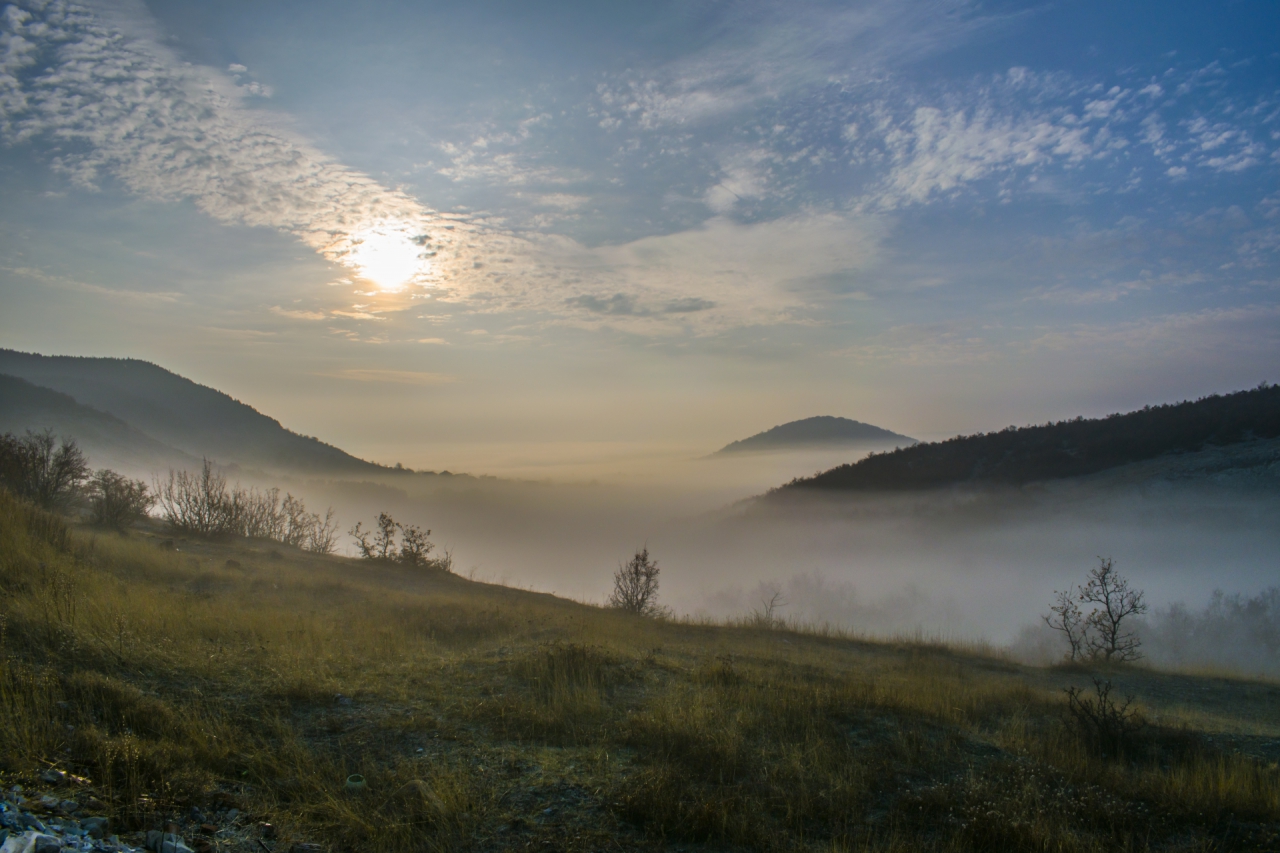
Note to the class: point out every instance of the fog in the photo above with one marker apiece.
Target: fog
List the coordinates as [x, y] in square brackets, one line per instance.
[957, 565]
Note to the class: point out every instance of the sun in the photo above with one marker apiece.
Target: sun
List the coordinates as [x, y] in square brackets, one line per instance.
[386, 256]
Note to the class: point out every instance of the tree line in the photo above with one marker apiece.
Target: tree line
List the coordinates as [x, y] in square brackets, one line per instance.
[1064, 449]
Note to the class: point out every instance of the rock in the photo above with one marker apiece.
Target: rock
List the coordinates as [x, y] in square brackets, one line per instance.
[96, 827]
[268, 831]
[31, 842]
[208, 828]
[166, 842]
[54, 777]
[232, 814]
[47, 844]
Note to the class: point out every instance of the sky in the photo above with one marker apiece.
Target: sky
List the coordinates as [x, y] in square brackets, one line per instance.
[572, 238]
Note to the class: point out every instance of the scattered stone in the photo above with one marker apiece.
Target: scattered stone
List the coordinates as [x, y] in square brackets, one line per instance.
[96, 827]
[232, 815]
[54, 777]
[166, 842]
[32, 842]
[268, 831]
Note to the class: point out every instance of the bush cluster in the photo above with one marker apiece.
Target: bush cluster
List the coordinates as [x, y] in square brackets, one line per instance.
[41, 469]
[202, 504]
[54, 474]
[393, 542]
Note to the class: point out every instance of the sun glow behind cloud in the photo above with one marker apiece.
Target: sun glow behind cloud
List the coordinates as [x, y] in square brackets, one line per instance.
[388, 256]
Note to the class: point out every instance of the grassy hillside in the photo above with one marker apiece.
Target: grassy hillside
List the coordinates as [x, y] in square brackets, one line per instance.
[816, 431]
[108, 441]
[1064, 449]
[486, 718]
[193, 418]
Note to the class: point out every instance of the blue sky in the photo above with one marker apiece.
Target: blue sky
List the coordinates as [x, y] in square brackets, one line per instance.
[537, 232]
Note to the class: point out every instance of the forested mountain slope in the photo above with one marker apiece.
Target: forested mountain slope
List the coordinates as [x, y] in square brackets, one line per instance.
[192, 418]
[1064, 449]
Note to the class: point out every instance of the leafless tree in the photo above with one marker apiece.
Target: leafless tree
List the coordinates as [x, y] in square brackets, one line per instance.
[1065, 616]
[41, 469]
[1100, 634]
[201, 503]
[635, 585]
[322, 533]
[1115, 601]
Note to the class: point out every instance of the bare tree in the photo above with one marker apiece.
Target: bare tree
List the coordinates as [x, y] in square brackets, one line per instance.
[322, 533]
[41, 469]
[1099, 635]
[379, 543]
[117, 501]
[1115, 601]
[1065, 616]
[635, 585]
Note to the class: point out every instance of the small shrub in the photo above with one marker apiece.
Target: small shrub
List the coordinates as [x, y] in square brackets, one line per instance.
[635, 585]
[1108, 726]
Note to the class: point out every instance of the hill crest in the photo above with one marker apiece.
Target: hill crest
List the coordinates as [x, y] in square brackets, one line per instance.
[815, 431]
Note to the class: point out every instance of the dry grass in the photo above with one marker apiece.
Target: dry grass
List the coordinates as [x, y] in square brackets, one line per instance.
[489, 718]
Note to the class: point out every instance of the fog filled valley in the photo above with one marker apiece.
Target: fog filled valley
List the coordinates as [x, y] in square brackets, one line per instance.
[966, 565]
[240, 638]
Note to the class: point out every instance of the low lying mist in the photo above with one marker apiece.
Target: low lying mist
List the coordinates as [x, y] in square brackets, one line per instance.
[956, 565]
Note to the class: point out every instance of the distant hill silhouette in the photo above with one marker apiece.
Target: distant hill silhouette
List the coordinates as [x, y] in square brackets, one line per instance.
[174, 411]
[816, 431]
[1064, 449]
[108, 441]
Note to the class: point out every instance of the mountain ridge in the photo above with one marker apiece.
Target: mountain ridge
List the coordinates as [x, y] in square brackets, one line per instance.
[180, 413]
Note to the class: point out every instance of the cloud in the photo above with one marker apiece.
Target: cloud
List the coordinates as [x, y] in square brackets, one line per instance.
[298, 315]
[113, 102]
[394, 377]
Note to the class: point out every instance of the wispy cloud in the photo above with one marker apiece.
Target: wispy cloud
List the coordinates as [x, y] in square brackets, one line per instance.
[394, 377]
[118, 103]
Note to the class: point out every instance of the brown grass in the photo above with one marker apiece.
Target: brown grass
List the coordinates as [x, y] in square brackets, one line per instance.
[489, 718]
